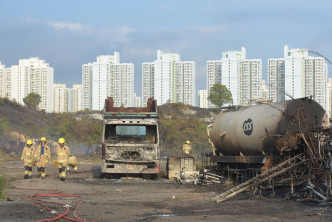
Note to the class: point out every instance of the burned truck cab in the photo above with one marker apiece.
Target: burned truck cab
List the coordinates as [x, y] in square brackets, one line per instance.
[130, 140]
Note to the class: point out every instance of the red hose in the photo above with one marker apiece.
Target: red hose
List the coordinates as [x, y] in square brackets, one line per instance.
[57, 193]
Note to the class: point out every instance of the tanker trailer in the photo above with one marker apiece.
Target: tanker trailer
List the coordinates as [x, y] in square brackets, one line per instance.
[248, 135]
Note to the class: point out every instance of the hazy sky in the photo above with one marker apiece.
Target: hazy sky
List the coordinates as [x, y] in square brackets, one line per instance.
[68, 33]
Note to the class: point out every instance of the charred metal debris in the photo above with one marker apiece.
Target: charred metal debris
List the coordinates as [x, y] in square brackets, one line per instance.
[299, 158]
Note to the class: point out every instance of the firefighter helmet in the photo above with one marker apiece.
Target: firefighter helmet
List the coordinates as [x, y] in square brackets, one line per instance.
[61, 141]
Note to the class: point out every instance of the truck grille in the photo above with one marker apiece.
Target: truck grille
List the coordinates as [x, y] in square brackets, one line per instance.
[131, 155]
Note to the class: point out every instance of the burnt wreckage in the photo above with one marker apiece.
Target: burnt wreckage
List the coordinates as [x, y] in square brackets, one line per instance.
[285, 143]
[130, 140]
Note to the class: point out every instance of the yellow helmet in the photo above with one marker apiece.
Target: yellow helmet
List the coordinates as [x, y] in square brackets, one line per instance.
[29, 142]
[188, 142]
[61, 140]
[43, 139]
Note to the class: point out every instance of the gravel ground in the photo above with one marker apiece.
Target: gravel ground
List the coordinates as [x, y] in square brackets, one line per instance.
[136, 199]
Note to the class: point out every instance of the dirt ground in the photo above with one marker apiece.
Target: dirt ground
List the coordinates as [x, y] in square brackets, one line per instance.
[135, 199]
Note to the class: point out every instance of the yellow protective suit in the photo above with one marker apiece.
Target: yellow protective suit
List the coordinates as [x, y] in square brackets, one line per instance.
[28, 156]
[62, 153]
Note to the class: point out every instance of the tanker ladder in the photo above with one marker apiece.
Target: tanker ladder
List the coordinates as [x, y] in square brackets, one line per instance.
[268, 174]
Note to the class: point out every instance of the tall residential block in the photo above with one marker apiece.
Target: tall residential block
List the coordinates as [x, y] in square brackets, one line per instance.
[75, 98]
[249, 81]
[147, 81]
[202, 99]
[213, 69]
[31, 75]
[240, 75]
[276, 79]
[87, 86]
[3, 80]
[168, 79]
[329, 89]
[107, 77]
[183, 83]
[60, 99]
[298, 75]
[265, 91]
[137, 101]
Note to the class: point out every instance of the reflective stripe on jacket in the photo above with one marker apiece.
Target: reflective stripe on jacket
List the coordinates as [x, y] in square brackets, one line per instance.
[62, 153]
[28, 154]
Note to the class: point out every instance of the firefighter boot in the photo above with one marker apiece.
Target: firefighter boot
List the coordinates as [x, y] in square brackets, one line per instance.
[30, 172]
[63, 174]
[26, 172]
[42, 175]
[39, 170]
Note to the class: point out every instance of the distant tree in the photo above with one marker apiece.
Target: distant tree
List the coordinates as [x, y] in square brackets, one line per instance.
[32, 100]
[219, 95]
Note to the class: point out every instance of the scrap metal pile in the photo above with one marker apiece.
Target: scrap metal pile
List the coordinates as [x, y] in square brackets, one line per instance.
[295, 139]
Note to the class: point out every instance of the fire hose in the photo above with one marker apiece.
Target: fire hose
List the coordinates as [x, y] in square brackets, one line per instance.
[56, 193]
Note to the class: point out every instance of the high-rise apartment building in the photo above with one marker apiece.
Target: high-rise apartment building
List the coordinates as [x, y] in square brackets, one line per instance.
[168, 79]
[3, 80]
[202, 99]
[75, 98]
[183, 83]
[147, 82]
[276, 79]
[298, 75]
[265, 91]
[329, 90]
[107, 77]
[249, 81]
[60, 92]
[87, 86]
[137, 101]
[31, 75]
[240, 75]
[213, 69]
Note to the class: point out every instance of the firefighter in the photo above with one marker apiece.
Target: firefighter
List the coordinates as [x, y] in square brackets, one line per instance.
[63, 153]
[42, 156]
[28, 159]
[186, 147]
[72, 162]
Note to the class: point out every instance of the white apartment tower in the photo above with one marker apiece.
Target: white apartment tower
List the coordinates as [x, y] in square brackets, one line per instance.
[183, 83]
[75, 98]
[202, 99]
[31, 75]
[3, 80]
[329, 89]
[147, 81]
[107, 77]
[121, 84]
[168, 79]
[213, 69]
[276, 79]
[298, 75]
[265, 91]
[240, 75]
[87, 86]
[137, 101]
[60, 93]
[164, 73]
[249, 81]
